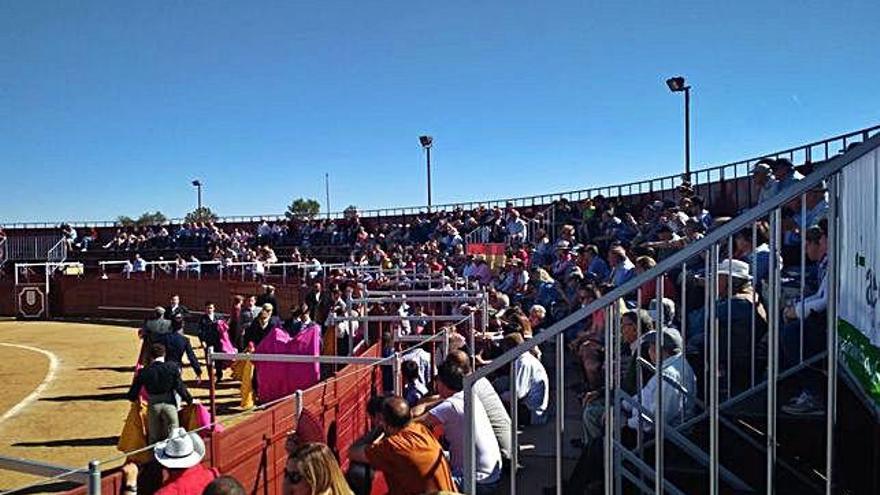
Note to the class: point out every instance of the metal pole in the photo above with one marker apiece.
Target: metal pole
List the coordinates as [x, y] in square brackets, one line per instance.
[833, 290]
[470, 454]
[94, 478]
[773, 347]
[659, 418]
[712, 332]
[396, 373]
[610, 406]
[199, 193]
[687, 131]
[209, 361]
[514, 426]
[428, 154]
[560, 408]
[327, 192]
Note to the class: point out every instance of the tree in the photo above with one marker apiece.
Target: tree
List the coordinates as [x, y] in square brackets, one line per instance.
[203, 214]
[125, 220]
[302, 209]
[148, 218]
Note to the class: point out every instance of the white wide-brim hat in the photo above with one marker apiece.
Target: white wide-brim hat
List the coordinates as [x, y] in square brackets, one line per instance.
[735, 268]
[182, 450]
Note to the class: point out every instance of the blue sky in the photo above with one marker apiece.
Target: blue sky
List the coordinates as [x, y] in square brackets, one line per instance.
[110, 108]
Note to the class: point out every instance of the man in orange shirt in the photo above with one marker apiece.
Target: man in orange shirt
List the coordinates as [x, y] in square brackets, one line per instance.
[407, 453]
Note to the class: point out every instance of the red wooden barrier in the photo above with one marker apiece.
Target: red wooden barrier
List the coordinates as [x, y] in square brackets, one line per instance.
[334, 412]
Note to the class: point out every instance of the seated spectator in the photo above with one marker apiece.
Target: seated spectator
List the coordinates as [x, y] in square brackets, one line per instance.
[622, 269]
[737, 299]
[224, 485]
[413, 388]
[597, 269]
[765, 182]
[491, 402]
[785, 173]
[312, 469]
[182, 456]
[811, 310]
[532, 384]
[138, 265]
[449, 414]
[406, 453]
[679, 384]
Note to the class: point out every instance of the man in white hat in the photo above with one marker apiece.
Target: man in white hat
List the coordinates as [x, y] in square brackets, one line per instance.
[182, 456]
[736, 307]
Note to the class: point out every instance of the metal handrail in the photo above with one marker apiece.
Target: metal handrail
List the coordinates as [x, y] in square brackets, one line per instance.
[674, 261]
[524, 201]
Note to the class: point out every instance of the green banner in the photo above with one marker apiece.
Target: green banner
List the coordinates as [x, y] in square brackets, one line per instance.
[860, 357]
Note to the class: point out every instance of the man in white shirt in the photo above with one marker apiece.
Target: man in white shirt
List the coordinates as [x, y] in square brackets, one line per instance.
[450, 414]
[811, 310]
[678, 389]
[516, 227]
[532, 384]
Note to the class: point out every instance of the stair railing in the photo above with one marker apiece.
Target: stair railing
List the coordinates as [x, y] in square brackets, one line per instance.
[624, 461]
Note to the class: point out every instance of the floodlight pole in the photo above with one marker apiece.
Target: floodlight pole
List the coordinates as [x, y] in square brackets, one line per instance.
[327, 192]
[687, 132]
[428, 156]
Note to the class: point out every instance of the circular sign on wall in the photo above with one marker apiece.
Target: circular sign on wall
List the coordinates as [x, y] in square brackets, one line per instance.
[31, 302]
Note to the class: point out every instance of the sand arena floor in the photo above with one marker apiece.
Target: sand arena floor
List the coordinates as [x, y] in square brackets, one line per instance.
[64, 393]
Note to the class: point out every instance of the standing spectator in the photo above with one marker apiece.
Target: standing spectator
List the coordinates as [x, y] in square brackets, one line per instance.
[407, 453]
[312, 470]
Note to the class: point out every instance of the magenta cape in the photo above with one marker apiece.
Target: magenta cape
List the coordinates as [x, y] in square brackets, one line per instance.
[276, 380]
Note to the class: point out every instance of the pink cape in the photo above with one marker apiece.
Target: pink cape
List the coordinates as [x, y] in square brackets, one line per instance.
[225, 343]
[276, 380]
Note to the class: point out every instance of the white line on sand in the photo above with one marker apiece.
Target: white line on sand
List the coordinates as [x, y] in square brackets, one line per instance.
[50, 375]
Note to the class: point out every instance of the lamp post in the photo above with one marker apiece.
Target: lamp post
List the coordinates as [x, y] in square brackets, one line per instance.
[426, 142]
[678, 85]
[327, 192]
[198, 185]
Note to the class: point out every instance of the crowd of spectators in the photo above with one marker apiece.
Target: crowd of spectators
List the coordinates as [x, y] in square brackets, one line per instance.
[548, 271]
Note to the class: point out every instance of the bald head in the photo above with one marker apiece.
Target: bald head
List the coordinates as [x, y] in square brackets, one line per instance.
[461, 359]
[395, 412]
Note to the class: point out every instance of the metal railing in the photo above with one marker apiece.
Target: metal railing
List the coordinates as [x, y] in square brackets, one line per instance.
[624, 461]
[31, 247]
[816, 151]
[4, 255]
[58, 252]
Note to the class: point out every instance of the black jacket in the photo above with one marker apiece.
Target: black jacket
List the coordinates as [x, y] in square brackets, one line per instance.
[176, 345]
[177, 315]
[255, 333]
[160, 378]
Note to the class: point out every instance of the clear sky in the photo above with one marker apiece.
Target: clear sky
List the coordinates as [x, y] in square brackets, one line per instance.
[112, 107]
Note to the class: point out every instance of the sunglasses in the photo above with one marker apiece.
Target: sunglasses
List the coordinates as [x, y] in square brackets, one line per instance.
[293, 477]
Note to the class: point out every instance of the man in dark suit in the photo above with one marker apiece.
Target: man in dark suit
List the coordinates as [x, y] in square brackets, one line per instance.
[176, 313]
[164, 386]
[209, 335]
[176, 345]
[269, 297]
[157, 325]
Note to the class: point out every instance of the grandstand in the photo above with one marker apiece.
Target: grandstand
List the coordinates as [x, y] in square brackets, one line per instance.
[773, 319]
